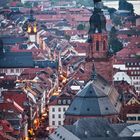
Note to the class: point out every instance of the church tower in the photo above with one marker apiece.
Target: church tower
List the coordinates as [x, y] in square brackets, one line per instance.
[97, 33]
[98, 51]
[32, 27]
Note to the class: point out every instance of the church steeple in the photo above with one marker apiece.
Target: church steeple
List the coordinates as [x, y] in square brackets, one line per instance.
[32, 27]
[97, 33]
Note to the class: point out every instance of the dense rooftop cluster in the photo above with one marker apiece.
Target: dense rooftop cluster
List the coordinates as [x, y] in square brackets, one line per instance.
[69, 72]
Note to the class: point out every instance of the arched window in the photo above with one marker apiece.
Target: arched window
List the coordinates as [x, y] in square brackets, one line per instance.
[104, 45]
[97, 45]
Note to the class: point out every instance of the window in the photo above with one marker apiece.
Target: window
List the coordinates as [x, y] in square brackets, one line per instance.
[53, 115]
[74, 108]
[64, 109]
[1, 70]
[104, 45]
[55, 132]
[69, 102]
[106, 108]
[64, 102]
[59, 101]
[12, 70]
[17, 70]
[59, 122]
[97, 45]
[59, 109]
[53, 109]
[59, 115]
[5, 70]
[53, 122]
[131, 118]
[139, 118]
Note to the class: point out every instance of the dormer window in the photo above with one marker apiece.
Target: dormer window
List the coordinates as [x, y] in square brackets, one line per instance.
[59, 101]
[64, 101]
[69, 101]
[106, 108]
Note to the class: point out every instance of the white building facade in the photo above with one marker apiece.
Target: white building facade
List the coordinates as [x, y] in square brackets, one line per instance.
[57, 109]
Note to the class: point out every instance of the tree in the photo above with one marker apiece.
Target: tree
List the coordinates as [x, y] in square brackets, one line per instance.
[114, 43]
[80, 27]
[117, 20]
[124, 5]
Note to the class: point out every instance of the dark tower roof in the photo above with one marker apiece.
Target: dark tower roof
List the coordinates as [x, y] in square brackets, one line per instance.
[95, 99]
[95, 1]
[97, 20]
[31, 17]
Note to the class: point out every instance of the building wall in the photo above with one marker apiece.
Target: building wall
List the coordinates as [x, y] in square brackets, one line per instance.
[119, 76]
[56, 115]
[133, 118]
[133, 70]
[12, 71]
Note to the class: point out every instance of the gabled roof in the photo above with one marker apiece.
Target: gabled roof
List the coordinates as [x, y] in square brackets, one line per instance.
[11, 106]
[16, 60]
[130, 131]
[11, 40]
[14, 95]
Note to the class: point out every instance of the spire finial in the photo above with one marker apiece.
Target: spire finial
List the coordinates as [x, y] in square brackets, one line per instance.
[93, 73]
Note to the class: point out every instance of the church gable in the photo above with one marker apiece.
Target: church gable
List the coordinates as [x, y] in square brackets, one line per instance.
[133, 101]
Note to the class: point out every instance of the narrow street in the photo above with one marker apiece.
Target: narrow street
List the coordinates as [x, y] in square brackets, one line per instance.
[41, 133]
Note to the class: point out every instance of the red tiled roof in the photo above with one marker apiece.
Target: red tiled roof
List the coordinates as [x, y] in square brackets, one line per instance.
[131, 49]
[17, 96]
[6, 126]
[10, 106]
[35, 70]
[14, 3]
